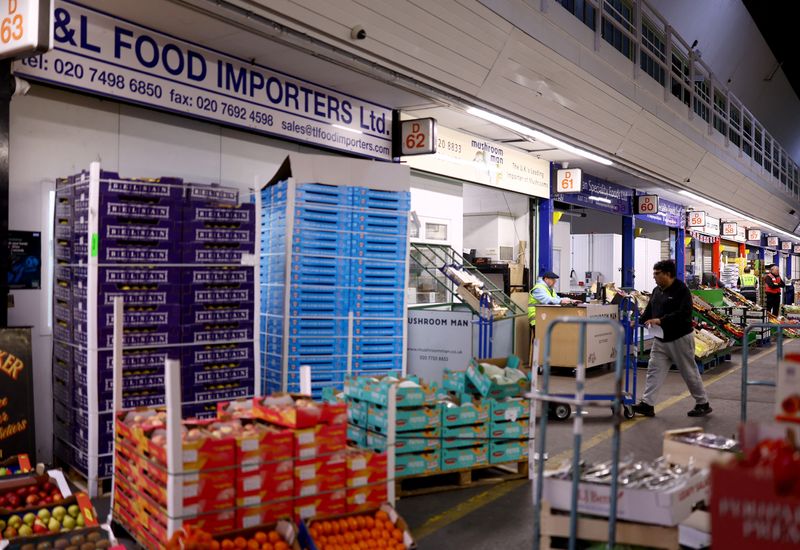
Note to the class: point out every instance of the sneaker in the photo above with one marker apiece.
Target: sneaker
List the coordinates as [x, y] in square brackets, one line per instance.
[644, 409]
[700, 410]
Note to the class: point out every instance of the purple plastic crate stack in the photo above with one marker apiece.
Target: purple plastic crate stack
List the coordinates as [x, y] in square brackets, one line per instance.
[173, 252]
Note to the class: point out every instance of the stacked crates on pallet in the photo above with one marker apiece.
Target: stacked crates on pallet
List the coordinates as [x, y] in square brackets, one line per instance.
[331, 254]
[173, 253]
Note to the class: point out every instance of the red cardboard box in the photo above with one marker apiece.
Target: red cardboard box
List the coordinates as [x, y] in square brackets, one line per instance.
[320, 440]
[366, 498]
[365, 467]
[319, 475]
[264, 514]
[321, 506]
[298, 411]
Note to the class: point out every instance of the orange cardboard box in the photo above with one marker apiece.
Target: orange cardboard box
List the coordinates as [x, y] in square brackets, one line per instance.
[319, 475]
[366, 498]
[323, 439]
[365, 467]
[261, 487]
[320, 506]
[200, 449]
[298, 411]
[264, 514]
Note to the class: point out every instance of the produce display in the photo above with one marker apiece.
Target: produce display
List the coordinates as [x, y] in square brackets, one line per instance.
[709, 340]
[705, 310]
[375, 530]
[38, 491]
[73, 512]
[79, 539]
[280, 537]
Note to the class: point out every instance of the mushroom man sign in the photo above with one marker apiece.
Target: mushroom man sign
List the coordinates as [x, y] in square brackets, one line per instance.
[16, 393]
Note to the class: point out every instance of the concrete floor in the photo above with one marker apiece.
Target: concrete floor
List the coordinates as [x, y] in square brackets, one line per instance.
[500, 516]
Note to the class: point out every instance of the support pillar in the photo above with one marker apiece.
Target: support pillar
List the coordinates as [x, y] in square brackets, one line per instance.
[545, 236]
[6, 91]
[628, 250]
[788, 274]
[680, 252]
[715, 253]
[742, 251]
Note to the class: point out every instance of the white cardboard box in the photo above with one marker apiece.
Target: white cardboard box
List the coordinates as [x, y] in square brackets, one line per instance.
[678, 452]
[656, 507]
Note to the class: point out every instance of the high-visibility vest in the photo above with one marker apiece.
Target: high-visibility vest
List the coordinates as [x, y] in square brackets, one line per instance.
[533, 301]
[748, 280]
[775, 280]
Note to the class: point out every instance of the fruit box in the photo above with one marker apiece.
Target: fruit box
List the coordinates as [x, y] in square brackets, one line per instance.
[252, 516]
[509, 430]
[410, 391]
[407, 419]
[679, 452]
[464, 436]
[327, 505]
[83, 512]
[787, 391]
[513, 408]
[667, 507]
[472, 412]
[319, 475]
[365, 468]
[417, 464]
[322, 439]
[356, 435]
[508, 451]
[302, 416]
[93, 534]
[357, 412]
[18, 465]
[465, 457]
[366, 498]
[408, 442]
[747, 513]
[487, 387]
[264, 448]
[308, 543]
[26, 484]
[286, 529]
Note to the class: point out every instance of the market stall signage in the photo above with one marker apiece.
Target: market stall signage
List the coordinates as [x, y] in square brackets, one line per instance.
[695, 218]
[600, 195]
[754, 235]
[669, 214]
[25, 259]
[786, 245]
[16, 393]
[470, 158]
[568, 180]
[729, 229]
[25, 27]
[796, 249]
[438, 340]
[646, 204]
[101, 54]
[772, 242]
[418, 136]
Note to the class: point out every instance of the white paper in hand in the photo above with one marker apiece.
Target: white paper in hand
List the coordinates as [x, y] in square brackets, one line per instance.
[655, 331]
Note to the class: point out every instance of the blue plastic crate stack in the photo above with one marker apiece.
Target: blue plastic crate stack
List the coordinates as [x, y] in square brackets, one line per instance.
[173, 252]
[347, 252]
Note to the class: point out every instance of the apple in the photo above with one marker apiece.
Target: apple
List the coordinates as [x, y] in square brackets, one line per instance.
[14, 521]
[73, 510]
[13, 500]
[25, 531]
[9, 533]
[31, 500]
[44, 514]
[4, 471]
[68, 523]
[29, 518]
[39, 527]
[53, 525]
[59, 512]
[79, 520]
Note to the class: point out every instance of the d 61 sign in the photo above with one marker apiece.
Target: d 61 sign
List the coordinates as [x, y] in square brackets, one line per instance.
[568, 180]
[26, 27]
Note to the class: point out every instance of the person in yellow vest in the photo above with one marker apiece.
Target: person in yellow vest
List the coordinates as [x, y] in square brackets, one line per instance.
[543, 293]
[748, 285]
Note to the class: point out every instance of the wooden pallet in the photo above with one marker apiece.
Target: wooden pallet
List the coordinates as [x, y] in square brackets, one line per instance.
[80, 481]
[556, 525]
[461, 479]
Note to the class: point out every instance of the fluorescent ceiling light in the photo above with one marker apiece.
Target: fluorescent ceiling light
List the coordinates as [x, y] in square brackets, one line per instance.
[735, 213]
[346, 128]
[600, 199]
[535, 134]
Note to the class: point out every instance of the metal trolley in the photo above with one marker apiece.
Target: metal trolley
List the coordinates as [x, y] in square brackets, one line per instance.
[628, 320]
[579, 401]
[746, 382]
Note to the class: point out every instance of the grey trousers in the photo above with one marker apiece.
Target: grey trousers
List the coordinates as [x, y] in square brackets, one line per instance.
[663, 355]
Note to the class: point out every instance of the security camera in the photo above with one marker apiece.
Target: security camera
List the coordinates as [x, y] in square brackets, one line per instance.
[565, 165]
[358, 32]
[791, 212]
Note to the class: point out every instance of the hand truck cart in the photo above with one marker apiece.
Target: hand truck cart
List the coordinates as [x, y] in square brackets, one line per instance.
[579, 401]
[746, 382]
[628, 319]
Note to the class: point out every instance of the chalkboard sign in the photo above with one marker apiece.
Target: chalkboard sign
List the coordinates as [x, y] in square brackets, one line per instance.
[16, 394]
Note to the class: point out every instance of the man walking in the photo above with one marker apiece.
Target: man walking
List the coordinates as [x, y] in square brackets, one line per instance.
[670, 309]
[773, 284]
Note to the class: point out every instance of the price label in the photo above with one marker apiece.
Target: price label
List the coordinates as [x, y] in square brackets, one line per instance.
[696, 219]
[568, 180]
[647, 204]
[25, 27]
[418, 136]
[729, 229]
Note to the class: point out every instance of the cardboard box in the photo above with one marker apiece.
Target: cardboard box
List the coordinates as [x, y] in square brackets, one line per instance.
[513, 450]
[509, 430]
[366, 468]
[357, 412]
[362, 499]
[300, 416]
[408, 442]
[787, 391]
[669, 507]
[286, 529]
[469, 412]
[319, 475]
[455, 381]
[513, 408]
[320, 506]
[408, 418]
[601, 344]
[465, 457]
[410, 392]
[678, 452]
[487, 387]
[417, 464]
[408, 542]
[357, 436]
[321, 439]
[464, 436]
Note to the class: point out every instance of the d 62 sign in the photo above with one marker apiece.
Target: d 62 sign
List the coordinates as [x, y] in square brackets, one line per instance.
[696, 218]
[568, 180]
[647, 204]
[26, 27]
[418, 136]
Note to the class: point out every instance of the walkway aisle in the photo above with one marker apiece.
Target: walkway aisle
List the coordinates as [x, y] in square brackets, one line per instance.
[500, 517]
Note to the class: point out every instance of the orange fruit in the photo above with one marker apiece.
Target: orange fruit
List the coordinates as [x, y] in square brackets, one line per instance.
[240, 542]
[397, 535]
[214, 545]
[335, 527]
[227, 544]
[360, 521]
[267, 546]
[280, 545]
[399, 546]
[253, 544]
[326, 528]
[380, 514]
[370, 522]
[274, 536]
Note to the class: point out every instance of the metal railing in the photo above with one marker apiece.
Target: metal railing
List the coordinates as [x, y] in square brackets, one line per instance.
[640, 33]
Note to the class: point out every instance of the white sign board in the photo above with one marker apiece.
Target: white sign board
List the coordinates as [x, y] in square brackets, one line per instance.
[711, 227]
[772, 242]
[25, 27]
[796, 249]
[568, 180]
[101, 54]
[696, 218]
[438, 340]
[754, 235]
[729, 229]
[418, 136]
[470, 158]
[786, 245]
[647, 204]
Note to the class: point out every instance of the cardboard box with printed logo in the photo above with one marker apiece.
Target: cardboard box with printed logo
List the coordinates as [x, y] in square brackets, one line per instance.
[407, 419]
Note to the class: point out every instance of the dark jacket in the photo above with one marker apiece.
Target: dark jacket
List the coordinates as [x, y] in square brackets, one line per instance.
[673, 305]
